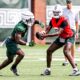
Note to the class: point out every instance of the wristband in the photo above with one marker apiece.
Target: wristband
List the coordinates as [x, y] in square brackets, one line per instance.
[27, 44]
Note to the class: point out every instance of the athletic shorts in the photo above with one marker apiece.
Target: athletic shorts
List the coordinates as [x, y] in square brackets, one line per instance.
[12, 47]
[60, 41]
[74, 33]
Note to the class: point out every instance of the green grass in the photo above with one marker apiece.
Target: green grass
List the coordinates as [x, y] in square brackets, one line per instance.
[31, 67]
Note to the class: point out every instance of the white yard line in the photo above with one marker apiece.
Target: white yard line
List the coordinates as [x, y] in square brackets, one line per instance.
[42, 59]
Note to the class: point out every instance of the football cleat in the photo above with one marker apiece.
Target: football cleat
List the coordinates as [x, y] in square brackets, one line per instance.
[14, 70]
[75, 73]
[65, 64]
[46, 72]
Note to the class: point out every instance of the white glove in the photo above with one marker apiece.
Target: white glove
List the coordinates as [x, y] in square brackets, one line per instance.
[27, 44]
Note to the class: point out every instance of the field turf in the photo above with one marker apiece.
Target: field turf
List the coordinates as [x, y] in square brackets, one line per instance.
[34, 63]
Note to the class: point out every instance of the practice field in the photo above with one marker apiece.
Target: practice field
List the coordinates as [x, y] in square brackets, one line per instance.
[34, 63]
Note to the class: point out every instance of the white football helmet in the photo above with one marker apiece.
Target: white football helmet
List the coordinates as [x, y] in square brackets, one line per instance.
[28, 18]
[57, 11]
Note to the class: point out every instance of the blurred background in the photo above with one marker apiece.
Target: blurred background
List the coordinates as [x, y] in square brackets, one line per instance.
[35, 57]
[10, 11]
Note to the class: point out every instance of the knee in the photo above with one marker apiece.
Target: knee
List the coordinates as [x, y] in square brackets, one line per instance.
[66, 51]
[10, 60]
[22, 55]
[49, 52]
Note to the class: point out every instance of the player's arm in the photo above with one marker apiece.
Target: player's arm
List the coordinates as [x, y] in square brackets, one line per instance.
[62, 26]
[18, 39]
[54, 34]
[60, 31]
[42, 36]
[39, 23]
[48, 28]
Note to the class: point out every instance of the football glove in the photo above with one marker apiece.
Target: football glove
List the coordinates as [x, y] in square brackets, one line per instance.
[31, 44]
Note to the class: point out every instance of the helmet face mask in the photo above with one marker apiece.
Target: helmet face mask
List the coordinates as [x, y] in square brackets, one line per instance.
[57, 11]
[28, 22]
[56, 14]
[28, 18]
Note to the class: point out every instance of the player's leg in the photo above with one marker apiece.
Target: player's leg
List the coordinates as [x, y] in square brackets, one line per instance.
[50, 50]
[9, 55]
[18, 59]
[72, 51]
[73, 46]
[20, 56]
[13, 49]
[53, 47]
[6, 62]
[67, 48]
[65, 62]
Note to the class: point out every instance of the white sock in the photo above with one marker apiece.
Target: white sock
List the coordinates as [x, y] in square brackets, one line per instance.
[48, 69]
[75, 69]
[66, 62]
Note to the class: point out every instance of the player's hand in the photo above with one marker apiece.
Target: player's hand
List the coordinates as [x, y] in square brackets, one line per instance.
[31, 44]
[43, 32]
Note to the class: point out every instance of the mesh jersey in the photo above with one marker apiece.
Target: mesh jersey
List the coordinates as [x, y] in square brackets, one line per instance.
[67, 32]
[20, 27]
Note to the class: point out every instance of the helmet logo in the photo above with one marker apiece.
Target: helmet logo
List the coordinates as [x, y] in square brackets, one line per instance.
[55, 7]
[57, 11]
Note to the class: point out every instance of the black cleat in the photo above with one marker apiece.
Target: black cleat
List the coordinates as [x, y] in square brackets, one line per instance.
[76, 64]
[14, 70]
[46, 72]
[65, 64]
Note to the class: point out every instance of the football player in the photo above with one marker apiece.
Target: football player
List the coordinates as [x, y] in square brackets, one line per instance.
[65, 37]
[16, 38]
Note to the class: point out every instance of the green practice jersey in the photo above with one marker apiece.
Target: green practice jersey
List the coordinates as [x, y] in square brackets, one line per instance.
[20, 27]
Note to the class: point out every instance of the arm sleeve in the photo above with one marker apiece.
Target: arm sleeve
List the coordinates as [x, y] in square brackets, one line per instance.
[64, 24]
[50, 24]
